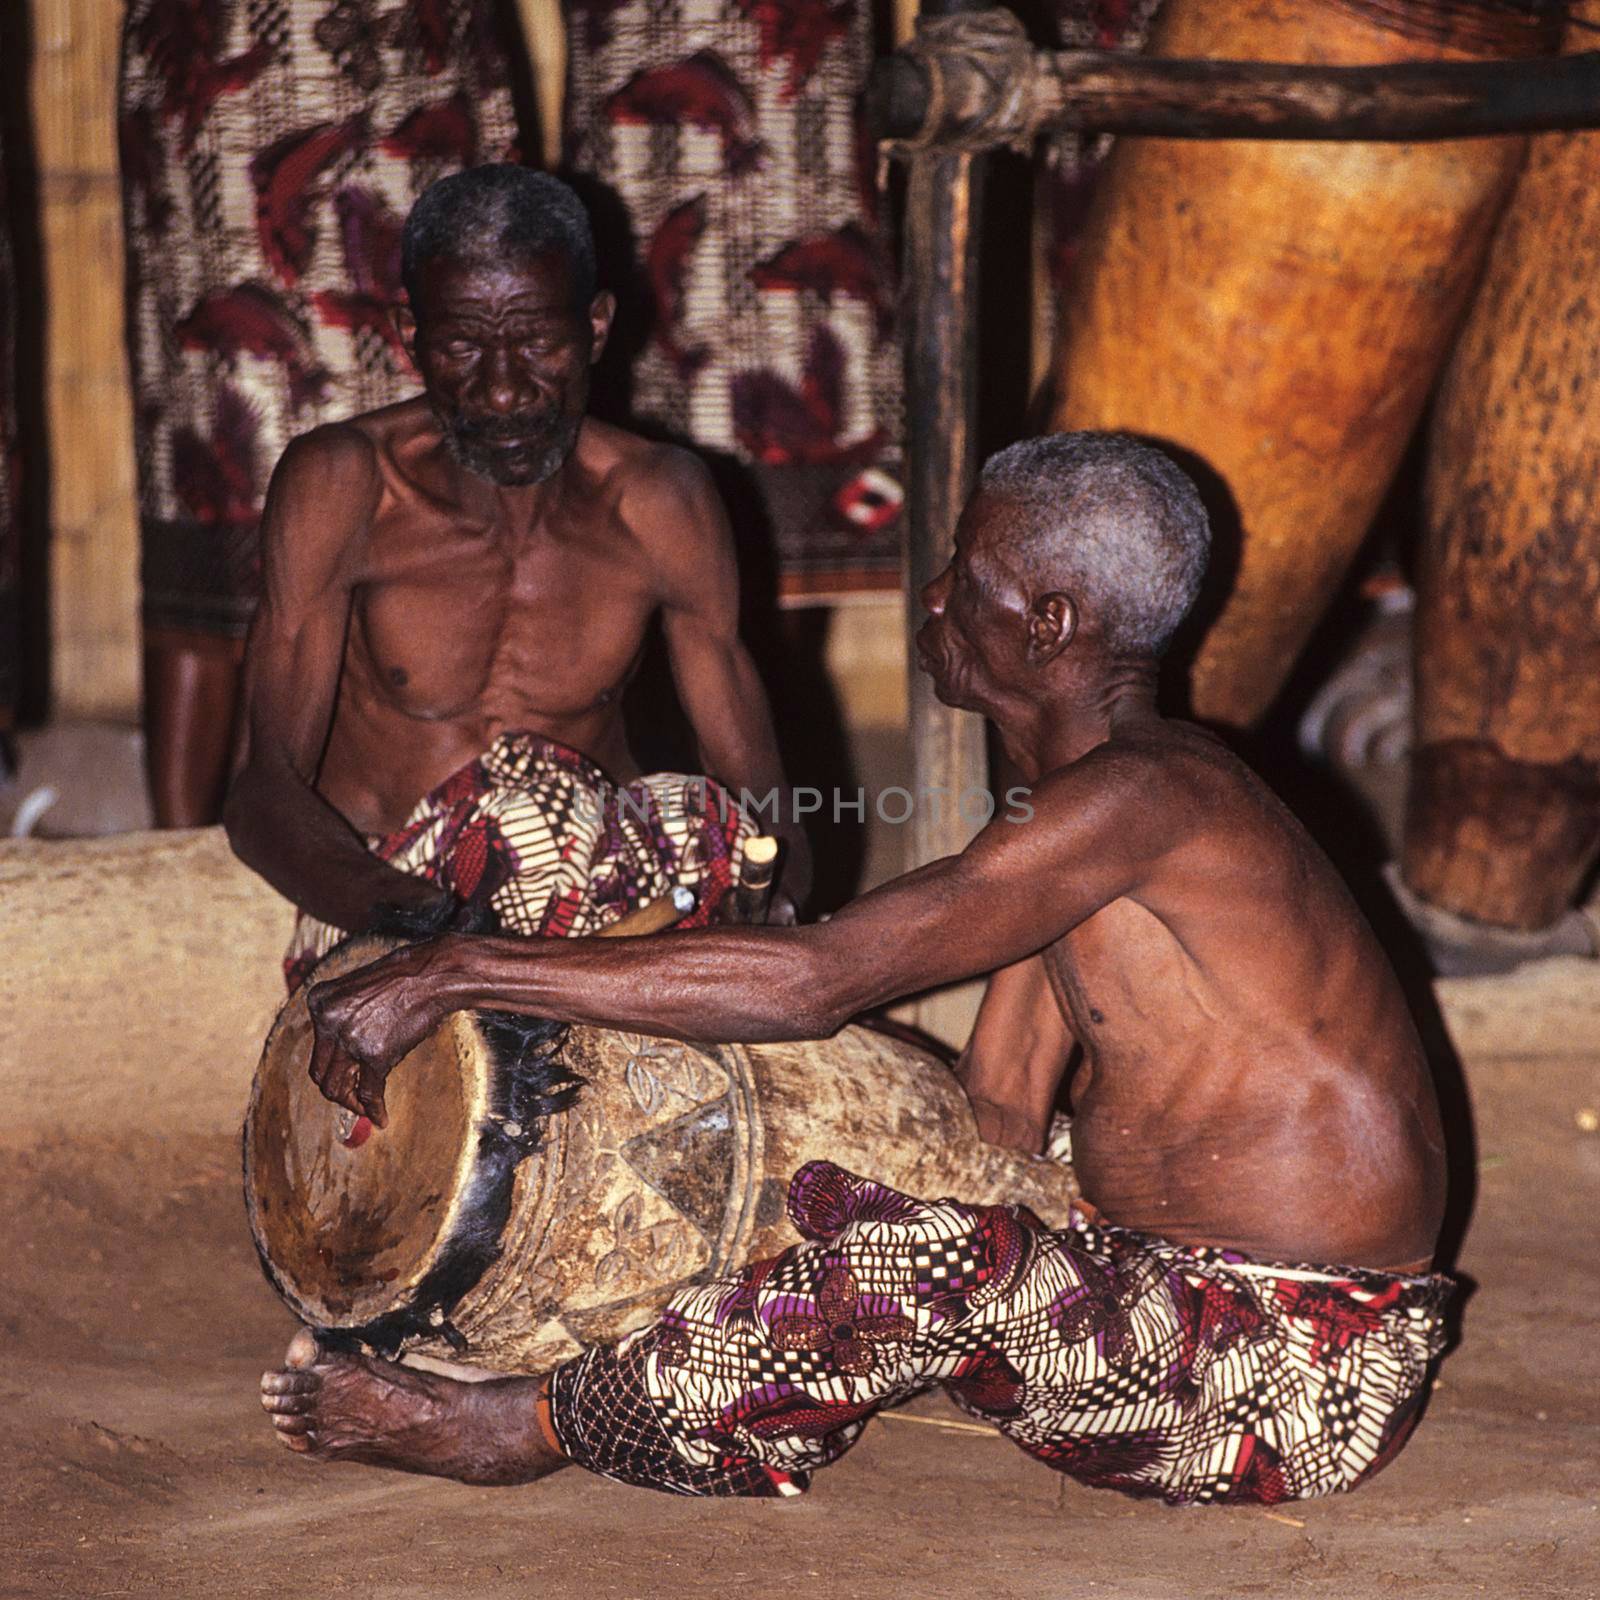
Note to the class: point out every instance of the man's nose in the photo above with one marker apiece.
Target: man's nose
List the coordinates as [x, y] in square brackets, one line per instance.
[935, 593]
[503, 385]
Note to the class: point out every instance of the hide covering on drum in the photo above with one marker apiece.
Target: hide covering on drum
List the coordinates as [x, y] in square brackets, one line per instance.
[539, 1189]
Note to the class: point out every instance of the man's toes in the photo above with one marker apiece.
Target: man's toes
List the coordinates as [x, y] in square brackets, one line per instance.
[302, 1351]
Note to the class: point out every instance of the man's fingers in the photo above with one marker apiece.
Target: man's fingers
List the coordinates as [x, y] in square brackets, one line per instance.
[369, 1091]
[321, 1060]
[335, 1074]
[345, 1088]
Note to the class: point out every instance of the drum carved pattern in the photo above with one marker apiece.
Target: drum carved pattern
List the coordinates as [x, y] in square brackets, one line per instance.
[670, 1166]
[640, 1248]
[657, 1068]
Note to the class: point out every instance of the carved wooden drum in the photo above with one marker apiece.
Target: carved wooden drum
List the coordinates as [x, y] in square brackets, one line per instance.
[475, 1229]
[1280, 308]
[1503, 820]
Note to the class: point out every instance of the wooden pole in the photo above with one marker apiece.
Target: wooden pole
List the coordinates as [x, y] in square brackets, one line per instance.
[939, 308]
[979, 106]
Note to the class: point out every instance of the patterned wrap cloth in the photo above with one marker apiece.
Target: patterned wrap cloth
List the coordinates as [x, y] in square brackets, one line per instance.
[1125, 1361]
[270, 152]
[732, 133]
[537, 836]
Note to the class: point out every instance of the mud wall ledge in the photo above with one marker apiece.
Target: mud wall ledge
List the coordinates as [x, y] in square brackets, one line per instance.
[138, 977]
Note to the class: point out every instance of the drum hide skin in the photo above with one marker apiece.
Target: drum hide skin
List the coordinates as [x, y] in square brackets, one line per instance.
[1280, 309]
[672, 1165]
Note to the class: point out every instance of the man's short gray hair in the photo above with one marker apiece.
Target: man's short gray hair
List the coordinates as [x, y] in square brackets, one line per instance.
[1112, 516]
[491, 212]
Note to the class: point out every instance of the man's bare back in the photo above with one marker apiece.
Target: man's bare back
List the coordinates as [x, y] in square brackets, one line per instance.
[1240, 958]
[1251, 1077]
[482, 559]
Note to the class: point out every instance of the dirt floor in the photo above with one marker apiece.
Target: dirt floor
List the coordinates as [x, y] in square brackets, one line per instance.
[134, 1460]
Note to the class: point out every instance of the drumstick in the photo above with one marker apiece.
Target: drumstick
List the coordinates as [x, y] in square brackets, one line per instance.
[653, 916]
[756, 874]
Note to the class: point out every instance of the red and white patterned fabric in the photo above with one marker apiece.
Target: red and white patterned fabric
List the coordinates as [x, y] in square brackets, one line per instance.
[270, 152]
[1126, 1361]
[536, 836]
[731, 132]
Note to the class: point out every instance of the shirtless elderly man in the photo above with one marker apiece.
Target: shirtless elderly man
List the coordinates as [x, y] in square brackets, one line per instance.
[1242, 1313]
[457, 590]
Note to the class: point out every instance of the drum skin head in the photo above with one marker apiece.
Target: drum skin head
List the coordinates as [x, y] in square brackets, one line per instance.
[345, 1231]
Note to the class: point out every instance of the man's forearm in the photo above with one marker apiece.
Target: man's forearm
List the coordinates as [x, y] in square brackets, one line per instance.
[294, 839]
[747, 986]
[1013, 1063]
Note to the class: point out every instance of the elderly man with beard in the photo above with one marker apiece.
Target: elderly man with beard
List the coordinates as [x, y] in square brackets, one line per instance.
[1243, 1310]
[456, 592]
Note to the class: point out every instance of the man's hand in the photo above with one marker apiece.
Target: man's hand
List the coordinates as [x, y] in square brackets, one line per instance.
[368, 1021]
[1007, 1127]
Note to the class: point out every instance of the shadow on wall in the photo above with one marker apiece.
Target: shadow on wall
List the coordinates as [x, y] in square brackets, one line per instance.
[31, 647]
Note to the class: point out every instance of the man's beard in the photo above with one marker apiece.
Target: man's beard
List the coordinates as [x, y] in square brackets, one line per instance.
[548, 444]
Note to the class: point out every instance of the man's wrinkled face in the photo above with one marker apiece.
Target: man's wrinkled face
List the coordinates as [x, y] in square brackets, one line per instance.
[505, 355]
[974, 610]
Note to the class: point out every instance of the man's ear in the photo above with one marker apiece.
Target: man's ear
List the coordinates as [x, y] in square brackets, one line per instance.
[602, 309]
[1052, 624]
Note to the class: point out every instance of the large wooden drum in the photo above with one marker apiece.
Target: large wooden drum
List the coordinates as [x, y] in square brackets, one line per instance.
[476, 1231]
[1504, 821]
[1280, 309]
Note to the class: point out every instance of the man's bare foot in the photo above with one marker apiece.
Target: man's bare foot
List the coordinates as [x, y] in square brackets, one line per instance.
[332, 1407]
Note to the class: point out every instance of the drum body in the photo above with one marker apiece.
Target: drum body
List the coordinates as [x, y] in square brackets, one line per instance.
[1504, 820]
[1279, 309]
[449, 1235]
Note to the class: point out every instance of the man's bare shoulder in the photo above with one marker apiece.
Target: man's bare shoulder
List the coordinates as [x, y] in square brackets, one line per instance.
[1176, 759]
[370, 434]
[325, 486]
[338, 469]
[658, 489]
[1155, 760]
[1164, 786]
[617, 454]
[335, 454]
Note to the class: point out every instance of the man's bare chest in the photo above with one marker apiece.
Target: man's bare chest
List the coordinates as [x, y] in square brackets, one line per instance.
[479, 624]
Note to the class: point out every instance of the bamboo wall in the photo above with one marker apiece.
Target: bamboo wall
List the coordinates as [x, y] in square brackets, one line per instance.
[94, 557]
